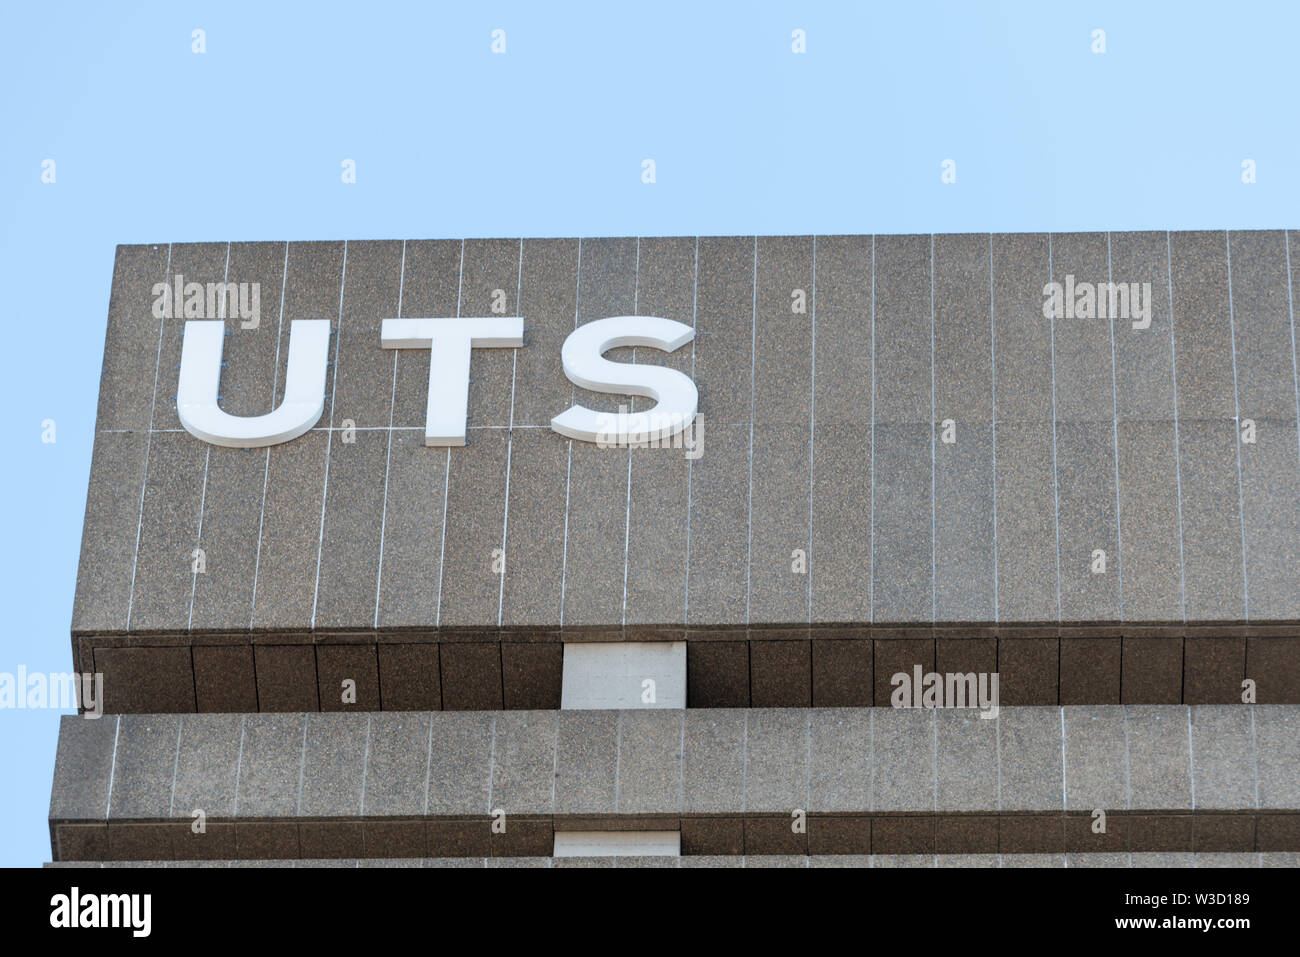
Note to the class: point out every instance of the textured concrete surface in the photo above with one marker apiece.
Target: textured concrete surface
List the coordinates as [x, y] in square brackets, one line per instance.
[353, 650]
[823, 423]
[1214, 778]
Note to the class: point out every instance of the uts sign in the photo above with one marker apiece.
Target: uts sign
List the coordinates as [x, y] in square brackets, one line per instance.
[450, 342]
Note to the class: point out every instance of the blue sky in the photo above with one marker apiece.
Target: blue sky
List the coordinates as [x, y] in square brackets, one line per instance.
[154, 143]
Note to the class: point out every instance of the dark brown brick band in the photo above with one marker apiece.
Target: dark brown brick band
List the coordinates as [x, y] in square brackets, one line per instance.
[735, 834]
[473, 672]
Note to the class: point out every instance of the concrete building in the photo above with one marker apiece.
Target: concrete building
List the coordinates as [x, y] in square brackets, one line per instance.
[980, 550]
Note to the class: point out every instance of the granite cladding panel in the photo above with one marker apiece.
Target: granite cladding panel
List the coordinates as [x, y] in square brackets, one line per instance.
[1077, 469]
[1027, 781]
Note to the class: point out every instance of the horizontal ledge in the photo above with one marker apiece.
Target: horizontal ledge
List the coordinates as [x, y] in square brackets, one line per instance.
[493, 779]
[739, 669]
[678, 631]
[718, 835]
[1139, 859]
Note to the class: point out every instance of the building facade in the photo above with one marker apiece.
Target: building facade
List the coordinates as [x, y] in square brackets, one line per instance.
[971, 548]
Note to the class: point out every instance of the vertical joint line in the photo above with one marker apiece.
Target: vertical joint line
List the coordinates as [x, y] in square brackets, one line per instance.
[388, 458]
[148, 442]
[1056, 484]
[627, 518]
[510, 441]
[690, 461]
[1236, 437]
[934, 572]
[568, 468]
[1114, 400]
[446, 479]
[266, 472]
[329, 436]
[753, 345]
[871, 578]
[993, 393]
[1178, 453]
[812, 431]
[1290, 302]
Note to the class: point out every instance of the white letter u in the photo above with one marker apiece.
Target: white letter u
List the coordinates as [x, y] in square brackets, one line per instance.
[304, 387]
